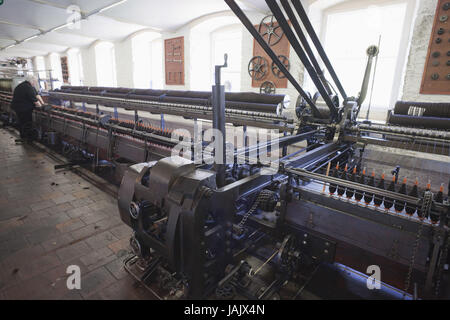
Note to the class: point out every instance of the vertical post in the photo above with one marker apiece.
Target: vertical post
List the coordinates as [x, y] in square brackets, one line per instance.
[285, 147]
[218, 98]
[51, 80]
[136, 118]
[162, 122]
[39, 81]
[438, 241]
[197, 156]
[244, 135]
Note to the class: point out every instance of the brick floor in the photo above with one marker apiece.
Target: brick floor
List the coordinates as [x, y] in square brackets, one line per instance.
[49, 221]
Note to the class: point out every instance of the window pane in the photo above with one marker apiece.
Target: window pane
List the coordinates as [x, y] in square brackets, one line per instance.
[40, 66]
[229, 42]
[105, 62]
[147, 61]
[75, 68]
[56, 72]
[157, 80]
[364, 27]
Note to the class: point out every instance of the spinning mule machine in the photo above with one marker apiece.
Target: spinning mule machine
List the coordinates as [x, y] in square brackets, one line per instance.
[343, 193]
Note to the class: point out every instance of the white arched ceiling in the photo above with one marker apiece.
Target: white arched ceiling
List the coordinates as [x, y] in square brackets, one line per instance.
[22, 19]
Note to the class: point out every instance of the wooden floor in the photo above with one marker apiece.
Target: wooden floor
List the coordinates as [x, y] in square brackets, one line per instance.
[49, 221]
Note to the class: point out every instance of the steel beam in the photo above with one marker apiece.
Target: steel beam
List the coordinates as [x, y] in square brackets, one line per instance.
[315, 39]
[246, 22]
[302, 55]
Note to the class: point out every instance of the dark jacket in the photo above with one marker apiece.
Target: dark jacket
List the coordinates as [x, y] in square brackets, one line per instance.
[24, 97]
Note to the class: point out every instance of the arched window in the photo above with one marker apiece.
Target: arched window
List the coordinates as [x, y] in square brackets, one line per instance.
[210, 39]
[350, 28]
[55, 71]
[105, 64]
[228, 40]
[39, 66]
[147, 61]
[75, 67]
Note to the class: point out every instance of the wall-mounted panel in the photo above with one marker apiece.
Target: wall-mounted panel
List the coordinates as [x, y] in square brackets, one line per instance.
[174, 61]
[280, 47]
[436, 76]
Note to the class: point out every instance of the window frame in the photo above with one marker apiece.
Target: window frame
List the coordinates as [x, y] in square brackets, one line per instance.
[214, 36]
[74, 55]
[402, 58]
[154, 41]
[112, 52]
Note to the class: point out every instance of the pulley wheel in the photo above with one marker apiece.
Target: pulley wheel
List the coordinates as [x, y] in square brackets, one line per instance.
[134, 210]
[276, 71]
[286, 247]
[138, 247]
[373, 51]
[258, 67]
[271, 33]
[267, 87]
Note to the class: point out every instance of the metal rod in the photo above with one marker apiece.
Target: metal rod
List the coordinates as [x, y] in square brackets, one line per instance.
[246, 22]
[302, 55]
[283, 141]
[315, 39]
[305, 44]
[358, 186]
[373, 81]
[218, 94]
[203, 112]
[252, 273]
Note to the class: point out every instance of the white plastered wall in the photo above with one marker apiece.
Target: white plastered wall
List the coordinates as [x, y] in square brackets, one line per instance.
[418, 53]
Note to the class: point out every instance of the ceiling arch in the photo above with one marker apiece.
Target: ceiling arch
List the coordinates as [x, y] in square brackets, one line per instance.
[31, 27]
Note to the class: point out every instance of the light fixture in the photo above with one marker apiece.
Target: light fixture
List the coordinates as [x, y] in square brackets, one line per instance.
[59, 27]
[112, 6]
[10, 46]
[30, 38]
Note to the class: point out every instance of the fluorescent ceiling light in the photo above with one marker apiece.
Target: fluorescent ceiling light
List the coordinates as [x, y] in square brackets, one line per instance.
[112, 6]
[62, 26]
[58, 28]
[30, 38]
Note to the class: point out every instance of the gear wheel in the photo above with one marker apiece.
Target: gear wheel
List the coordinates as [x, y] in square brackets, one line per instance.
[276, 71]
[268, 87]
[258, 67]
[226, 292]
[268, 28]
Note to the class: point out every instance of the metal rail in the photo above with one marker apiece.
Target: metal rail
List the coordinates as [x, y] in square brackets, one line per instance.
[437, 148]
[403, 131]
[239, 117]
[168, 141]
[117, 128]
[360, 187]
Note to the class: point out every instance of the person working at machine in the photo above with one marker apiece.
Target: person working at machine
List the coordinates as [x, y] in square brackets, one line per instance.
[25, 98]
